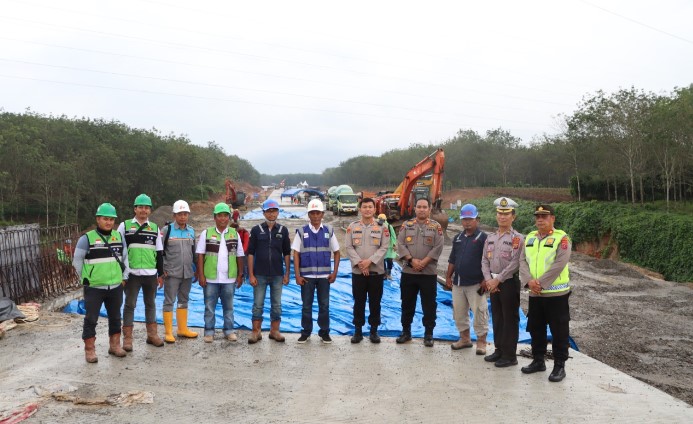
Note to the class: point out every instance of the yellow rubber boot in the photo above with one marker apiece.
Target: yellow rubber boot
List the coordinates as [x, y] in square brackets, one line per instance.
[182, 322]
[168, 327]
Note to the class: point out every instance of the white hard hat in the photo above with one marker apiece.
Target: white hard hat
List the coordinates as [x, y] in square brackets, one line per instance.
[315, 205]
[181, 206]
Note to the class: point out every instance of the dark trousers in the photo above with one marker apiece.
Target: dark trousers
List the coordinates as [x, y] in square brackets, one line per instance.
[367, 287]
[505, 307]
[149, 286]
[555, 312]
[410, 286]
[389, 263]
[93, 299]
[322, 286]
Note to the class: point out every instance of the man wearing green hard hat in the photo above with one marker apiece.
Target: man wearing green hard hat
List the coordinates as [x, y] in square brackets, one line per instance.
[101, 261]
[145, 250]
[220, 270]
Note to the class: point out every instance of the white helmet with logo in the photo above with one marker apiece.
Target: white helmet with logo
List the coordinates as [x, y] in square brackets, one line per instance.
[181, 206]
[316, 205]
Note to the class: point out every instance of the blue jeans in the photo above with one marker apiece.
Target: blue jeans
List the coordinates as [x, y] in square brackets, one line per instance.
[307, 294]
[214, 291]
[259, 292]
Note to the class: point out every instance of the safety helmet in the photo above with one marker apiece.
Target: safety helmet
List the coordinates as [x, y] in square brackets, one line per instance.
[269, 204]
[382, 216]
[468, 211]
[143, 200]
[181, 206]
[106, 209]
[222, 208]
[316, 205]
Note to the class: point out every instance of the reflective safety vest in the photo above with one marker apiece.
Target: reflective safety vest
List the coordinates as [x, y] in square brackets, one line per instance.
[315, 251]
[211, 259]
[100, 267]
[541, 254]
[141, 246]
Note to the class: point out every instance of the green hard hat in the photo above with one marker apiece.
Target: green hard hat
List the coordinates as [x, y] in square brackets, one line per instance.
[106, 209]
[143, 200]
[221, 208]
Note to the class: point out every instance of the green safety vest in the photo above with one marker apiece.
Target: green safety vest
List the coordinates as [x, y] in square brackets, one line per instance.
[541, 254]
[212, 243]
[100, 267]
[141, 246]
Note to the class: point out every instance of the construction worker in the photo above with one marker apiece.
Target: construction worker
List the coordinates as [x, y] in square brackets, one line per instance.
[314, 272]
[419, 245]
[269, 250]
[465, 278]
[145, 250]
[366, 244]
[219, 270]
[179, 255]
[500, 265]
[392, 250]
[544, 270]
[101, 261]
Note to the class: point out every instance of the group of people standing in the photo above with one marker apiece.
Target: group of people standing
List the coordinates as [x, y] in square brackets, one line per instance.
[117, 263]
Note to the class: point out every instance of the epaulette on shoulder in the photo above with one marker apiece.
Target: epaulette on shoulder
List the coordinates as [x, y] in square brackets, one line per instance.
[410, 223]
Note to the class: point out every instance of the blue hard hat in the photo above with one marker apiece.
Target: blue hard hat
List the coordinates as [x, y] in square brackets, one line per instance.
[468, 211]
[269, 204]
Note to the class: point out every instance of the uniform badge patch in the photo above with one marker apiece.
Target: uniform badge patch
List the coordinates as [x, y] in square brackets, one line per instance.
[440, 231]
[357, 241]
[429, 240]
[516, 243]
[376, 242]
[408, 239]
[564, 243]
[348, 230]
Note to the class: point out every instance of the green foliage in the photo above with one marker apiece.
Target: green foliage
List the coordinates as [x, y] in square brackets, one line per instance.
[56, 170]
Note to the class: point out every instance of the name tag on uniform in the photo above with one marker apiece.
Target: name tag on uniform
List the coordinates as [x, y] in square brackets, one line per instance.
[327, 236]
[305, 235]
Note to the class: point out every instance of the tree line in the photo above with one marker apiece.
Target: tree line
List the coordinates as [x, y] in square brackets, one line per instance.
[629, 145]
[57, 170]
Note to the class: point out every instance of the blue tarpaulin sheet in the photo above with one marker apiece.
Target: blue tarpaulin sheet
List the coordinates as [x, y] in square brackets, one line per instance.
[294, 191]
[341, 309]
[283, 214]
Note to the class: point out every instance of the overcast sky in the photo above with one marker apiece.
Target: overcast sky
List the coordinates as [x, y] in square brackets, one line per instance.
[299, 86]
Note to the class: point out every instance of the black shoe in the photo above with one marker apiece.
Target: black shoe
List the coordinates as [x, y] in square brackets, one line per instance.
[404, 337]
[502, 363]
[326, 339]
[428, 340]
[557, 374]
[496, 355]
[304, 338]
[358, 335]
[535, 366]
[375, 338]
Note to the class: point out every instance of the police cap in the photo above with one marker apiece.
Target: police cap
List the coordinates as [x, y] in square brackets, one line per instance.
[505, 204]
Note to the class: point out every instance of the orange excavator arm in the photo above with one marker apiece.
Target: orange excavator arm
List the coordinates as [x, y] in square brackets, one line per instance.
[230, 192]
[434, 164]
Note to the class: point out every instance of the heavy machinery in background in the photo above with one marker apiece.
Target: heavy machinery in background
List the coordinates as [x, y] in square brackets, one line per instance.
[234, 198]
[342, 200]
[423, 180]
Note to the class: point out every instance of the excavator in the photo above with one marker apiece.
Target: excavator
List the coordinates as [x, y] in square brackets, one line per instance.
[423, 180]
[234, 198]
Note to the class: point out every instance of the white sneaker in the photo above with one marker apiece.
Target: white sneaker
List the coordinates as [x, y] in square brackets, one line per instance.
[232, 337]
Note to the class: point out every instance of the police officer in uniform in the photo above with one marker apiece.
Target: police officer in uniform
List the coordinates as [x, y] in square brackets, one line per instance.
[366, 245]
[544, 270]
[500, 265]
[419, 245]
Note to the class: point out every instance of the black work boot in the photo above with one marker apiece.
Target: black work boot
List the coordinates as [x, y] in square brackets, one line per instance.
[496, 355]
[358, 335]
[536, 366]
[405, 336]
[375, 338]
[558, 372]
[428, 339]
